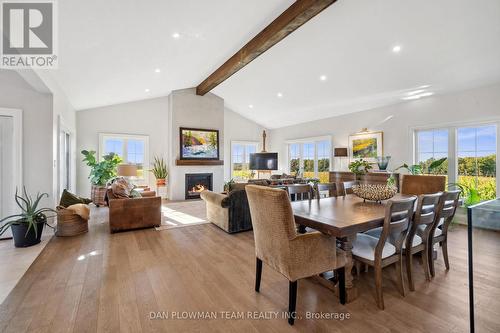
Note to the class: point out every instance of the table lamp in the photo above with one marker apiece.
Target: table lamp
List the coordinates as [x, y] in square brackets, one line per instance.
[341, 153]
[127, 170]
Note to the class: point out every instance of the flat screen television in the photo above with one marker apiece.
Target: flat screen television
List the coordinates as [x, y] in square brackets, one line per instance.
[264, 161]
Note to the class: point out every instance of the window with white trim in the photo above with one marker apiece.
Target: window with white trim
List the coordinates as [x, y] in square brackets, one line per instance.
[133, 149]
[310, 158]
[240, 159]
[471, 153]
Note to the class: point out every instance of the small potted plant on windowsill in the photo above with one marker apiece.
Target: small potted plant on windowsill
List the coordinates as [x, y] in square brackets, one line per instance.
[27, 226]
[100, 173]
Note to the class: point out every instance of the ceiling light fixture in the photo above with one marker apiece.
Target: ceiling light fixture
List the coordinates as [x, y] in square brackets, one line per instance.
[396, 49]
[157, 70]
[323, 77]
[147, 90]
[415, 92]
[250, 106]
[176, 35]
[279, 95]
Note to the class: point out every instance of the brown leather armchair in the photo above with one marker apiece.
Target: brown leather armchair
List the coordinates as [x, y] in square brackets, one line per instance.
[134, 213]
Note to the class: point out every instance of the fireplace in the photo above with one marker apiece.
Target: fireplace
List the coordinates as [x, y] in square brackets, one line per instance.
[197, 182]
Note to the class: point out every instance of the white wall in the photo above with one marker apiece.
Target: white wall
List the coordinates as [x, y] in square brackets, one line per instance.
[37, 109]
[190, 110]
[476, 105]
[238, 128]
[147, 117]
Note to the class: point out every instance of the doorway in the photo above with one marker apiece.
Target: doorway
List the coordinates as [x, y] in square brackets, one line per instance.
[10, 162]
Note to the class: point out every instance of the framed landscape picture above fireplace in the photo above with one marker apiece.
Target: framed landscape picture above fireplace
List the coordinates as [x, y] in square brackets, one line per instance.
[199, 144]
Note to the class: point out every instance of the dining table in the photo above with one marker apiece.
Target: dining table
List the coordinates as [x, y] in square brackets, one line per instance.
[342, 217]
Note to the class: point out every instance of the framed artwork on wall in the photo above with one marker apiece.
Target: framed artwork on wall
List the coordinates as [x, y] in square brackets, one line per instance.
[199, 144]
[366, 145]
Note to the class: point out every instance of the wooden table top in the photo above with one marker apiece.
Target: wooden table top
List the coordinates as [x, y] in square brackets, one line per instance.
[341, 216]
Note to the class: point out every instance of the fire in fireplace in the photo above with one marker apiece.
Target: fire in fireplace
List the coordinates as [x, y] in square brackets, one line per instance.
[197, 182]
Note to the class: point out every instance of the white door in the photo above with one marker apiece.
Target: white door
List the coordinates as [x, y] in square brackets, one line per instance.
[7, 158]
[64, 161]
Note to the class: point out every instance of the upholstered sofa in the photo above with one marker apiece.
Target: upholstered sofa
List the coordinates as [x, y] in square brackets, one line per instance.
[133, 213]
[230, 211]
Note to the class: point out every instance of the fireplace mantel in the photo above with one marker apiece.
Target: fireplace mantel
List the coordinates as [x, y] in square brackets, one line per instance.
[199, 162]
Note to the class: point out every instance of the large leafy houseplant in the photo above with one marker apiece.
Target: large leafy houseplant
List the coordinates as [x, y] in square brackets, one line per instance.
[360, 167]
[417, 169]
[26, 226]
[101, 172]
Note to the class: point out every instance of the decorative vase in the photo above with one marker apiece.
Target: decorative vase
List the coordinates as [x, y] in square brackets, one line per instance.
[383, 162]
[161, 182]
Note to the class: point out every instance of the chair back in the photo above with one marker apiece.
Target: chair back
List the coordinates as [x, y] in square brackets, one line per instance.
[330, 187]
[417, 184]
[273, 223]
[300, 191]
[398, 216]
[347, 187]
[425, 214]
[446, 210]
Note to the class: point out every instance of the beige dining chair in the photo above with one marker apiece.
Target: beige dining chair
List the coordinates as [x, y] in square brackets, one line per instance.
[446, 212]
[386, 250]
[323, 187]
[278, 245]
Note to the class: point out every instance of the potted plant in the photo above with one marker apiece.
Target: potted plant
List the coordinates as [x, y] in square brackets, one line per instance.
[360, 167]
[100, 173]
[417, 169]
[160, 171]
[27, 226]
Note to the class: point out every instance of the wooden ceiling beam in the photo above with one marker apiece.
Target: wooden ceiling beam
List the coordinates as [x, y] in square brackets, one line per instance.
[291, 19]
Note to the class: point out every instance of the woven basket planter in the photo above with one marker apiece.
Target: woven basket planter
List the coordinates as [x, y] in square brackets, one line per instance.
[97, 195]
[69, 223]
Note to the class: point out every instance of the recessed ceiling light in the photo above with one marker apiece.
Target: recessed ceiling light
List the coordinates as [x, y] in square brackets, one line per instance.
[279, 95]
[323, 77]
[396, 49]
[250, 106]
[176, 35]
[426, 94]
[147, 90]
[424, 86]
[157, 70]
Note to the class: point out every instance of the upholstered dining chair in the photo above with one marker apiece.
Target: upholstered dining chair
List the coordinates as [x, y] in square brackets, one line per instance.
[347, 187]
[321, 187]
[297, 191]
[446, 212]
[278, 245]
[386, 250]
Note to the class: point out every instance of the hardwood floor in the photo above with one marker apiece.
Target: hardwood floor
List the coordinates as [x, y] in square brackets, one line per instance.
[100, 282]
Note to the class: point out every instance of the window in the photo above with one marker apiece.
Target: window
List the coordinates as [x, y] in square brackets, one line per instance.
[476, 152]
[310, 157]
[240, 159]
[133, 149]
[471, 152]
[431, 146]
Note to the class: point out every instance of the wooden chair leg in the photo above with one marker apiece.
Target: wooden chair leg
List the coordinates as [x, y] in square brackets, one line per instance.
[258, 274]
[292, 301]
[400, 277]
[430, 260]
[378, 287]
[409, 270]
[425, 259]
[358, 268]
[444, 247]
[342, 293]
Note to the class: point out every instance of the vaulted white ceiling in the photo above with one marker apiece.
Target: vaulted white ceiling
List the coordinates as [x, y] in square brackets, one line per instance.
[109, 50]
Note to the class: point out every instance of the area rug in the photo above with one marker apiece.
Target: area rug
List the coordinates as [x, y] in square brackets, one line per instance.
[183, 214]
